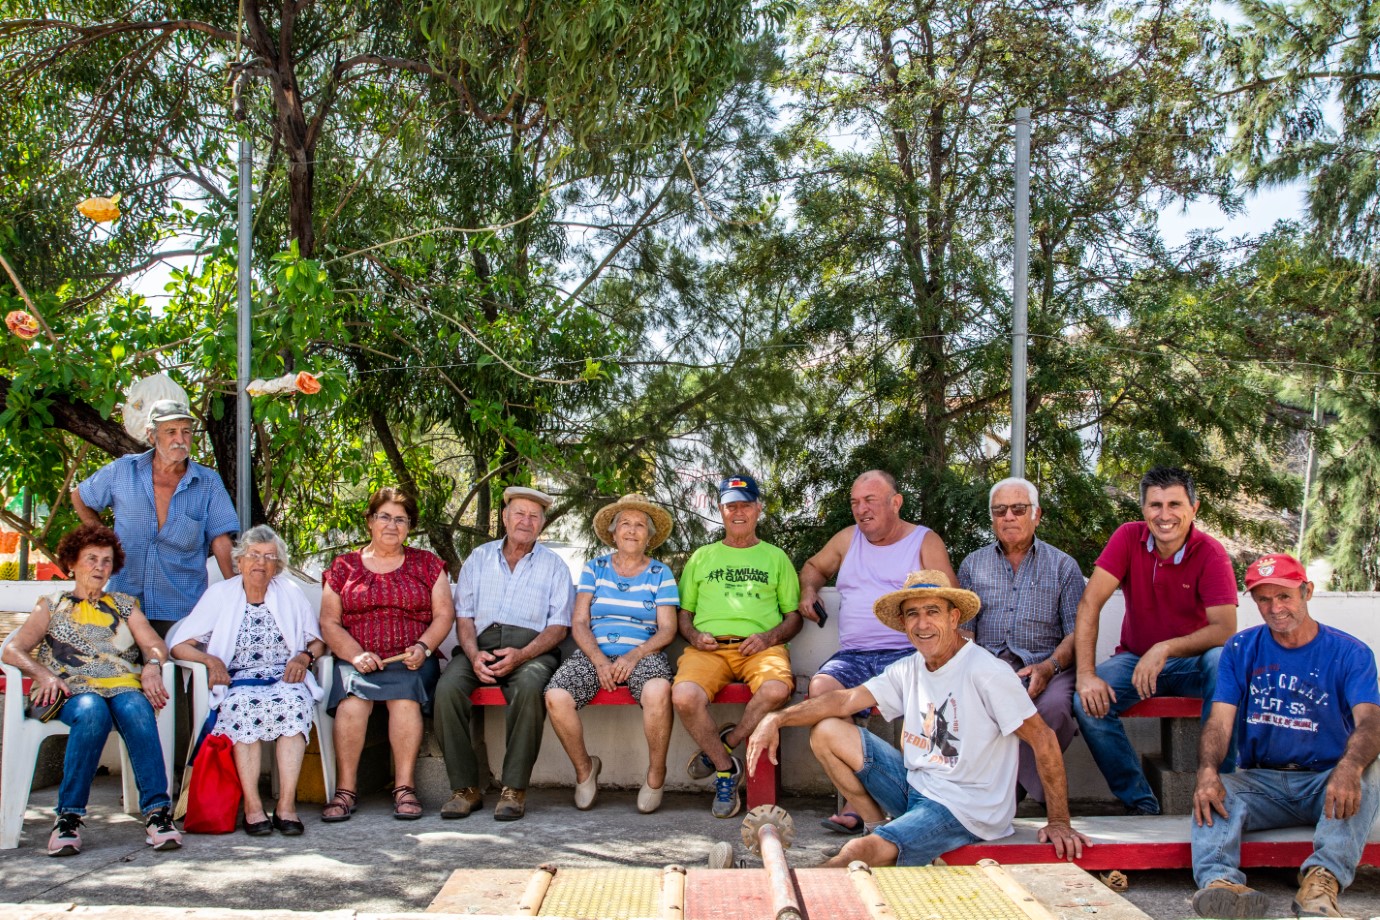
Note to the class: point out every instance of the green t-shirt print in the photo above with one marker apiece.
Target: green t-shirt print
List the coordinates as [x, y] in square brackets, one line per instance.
[738, 592]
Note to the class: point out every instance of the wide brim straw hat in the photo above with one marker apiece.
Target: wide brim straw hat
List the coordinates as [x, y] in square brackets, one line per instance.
[927, 583]
[659, 516]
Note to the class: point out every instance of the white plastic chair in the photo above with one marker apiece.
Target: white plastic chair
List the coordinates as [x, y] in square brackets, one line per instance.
[325, 724]
[201, 707]
[23, 736]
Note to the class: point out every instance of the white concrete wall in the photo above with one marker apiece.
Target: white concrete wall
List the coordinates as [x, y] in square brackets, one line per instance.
[615, 732]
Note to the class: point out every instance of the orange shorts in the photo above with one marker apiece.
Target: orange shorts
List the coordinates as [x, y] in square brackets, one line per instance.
[712, 671]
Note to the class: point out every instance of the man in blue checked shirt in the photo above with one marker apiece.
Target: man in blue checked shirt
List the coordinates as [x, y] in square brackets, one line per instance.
[171, 513]
[1029, 593]
[512, 609]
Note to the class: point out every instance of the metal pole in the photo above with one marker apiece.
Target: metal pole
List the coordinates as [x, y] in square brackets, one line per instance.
[27, 512]
[1310, 471]
[245, 317]
[1021, 264]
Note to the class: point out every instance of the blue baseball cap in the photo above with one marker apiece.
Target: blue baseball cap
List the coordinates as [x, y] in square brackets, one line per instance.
[740, 488]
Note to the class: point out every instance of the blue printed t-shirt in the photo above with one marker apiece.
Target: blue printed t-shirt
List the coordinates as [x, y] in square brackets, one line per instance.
[623, 610]
[1294, 705]
[165, 567]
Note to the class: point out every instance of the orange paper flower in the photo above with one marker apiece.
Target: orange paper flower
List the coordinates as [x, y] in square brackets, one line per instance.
[101, 210]
[307, 383]
[22, 324]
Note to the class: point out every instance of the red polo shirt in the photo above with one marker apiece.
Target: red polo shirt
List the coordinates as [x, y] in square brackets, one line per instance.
[1166, 598]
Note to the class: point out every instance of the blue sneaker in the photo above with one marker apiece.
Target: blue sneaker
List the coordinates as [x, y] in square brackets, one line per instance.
[728, 797]
[700, 766]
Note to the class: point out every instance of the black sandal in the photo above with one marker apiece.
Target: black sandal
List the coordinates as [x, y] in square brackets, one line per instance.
[405, 797]
[344, 802]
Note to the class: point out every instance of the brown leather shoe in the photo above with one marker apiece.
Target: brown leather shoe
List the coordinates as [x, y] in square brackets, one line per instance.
[512, 804]
[1224, 899]
[462, 803]
[1317, 895]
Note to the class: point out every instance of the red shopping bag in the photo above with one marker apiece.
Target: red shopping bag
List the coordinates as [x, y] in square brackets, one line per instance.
[214, 801]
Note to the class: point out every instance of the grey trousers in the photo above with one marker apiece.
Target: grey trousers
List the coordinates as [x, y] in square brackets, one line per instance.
[1055, 706]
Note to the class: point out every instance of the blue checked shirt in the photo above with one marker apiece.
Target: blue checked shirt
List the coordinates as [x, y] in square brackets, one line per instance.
[164, 568]
[536, 594]
[1027, 612]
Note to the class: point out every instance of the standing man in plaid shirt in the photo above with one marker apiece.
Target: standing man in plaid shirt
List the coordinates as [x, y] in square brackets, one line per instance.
[1029, 593]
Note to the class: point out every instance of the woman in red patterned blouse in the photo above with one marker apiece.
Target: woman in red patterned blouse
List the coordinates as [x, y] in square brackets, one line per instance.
[385, 601]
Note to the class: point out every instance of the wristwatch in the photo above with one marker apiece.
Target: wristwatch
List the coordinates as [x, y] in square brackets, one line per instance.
[311, 659]
[426, 648]
[1055, 662]
[155, 661]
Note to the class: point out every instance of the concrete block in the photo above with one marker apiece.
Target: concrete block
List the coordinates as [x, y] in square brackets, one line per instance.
[1179, 743]
[1173, 788]
[48, 769]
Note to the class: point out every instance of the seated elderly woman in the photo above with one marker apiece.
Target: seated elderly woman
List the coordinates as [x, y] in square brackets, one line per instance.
[384, 611]
[83, 646]
[257, 635]
[624, 617]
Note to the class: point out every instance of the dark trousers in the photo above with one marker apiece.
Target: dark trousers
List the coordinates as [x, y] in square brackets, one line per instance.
[523, 690]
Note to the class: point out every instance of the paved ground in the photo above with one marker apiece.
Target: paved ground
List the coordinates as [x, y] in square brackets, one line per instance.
[375, 863]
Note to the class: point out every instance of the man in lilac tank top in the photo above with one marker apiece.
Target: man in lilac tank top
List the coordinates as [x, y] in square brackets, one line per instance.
[1030, 593]
[870, 559]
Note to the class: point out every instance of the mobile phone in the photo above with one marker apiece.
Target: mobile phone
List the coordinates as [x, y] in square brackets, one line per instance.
[822, 614]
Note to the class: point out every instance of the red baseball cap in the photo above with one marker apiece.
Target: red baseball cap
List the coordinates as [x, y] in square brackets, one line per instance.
[1276, 569]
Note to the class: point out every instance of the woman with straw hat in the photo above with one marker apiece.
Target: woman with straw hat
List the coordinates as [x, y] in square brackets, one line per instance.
[624, 617]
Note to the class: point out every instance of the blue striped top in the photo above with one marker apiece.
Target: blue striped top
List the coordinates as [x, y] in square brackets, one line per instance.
[623, 610]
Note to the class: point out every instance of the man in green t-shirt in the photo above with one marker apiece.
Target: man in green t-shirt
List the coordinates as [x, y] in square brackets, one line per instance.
[738, 600]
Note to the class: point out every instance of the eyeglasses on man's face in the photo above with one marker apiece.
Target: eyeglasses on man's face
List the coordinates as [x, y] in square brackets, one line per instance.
[999, 511]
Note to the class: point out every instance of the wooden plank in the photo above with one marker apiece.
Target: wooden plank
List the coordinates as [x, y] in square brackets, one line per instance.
[487, 892]
[1069, 892]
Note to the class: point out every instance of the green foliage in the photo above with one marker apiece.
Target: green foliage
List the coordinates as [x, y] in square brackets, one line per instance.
[1300, 80]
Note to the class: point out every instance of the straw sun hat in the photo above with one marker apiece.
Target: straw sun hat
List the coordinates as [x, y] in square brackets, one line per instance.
[929, 583]
[660, 518]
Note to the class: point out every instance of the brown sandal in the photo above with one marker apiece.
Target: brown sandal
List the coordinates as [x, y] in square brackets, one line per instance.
[406, 805]
[341, 806]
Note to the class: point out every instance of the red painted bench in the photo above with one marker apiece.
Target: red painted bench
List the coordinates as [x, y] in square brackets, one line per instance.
[28, 682]
[762, 784]
[1166, 707]
[1159, 842]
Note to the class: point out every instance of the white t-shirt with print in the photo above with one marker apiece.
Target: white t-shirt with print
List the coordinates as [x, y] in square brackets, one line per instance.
[957, 737]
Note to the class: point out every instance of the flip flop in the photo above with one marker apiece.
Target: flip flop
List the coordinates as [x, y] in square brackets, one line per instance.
[850, 823]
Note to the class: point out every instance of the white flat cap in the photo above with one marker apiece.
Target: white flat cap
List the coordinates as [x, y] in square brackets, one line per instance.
[536, 495]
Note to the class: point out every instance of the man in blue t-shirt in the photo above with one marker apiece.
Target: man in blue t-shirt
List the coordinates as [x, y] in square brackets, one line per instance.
[1304, 702]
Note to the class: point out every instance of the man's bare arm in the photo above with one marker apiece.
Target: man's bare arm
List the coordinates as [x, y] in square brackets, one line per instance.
[88, 515]
[820, 569]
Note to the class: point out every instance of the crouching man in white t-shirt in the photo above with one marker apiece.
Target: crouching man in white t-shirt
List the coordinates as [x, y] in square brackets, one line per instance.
[954, 781]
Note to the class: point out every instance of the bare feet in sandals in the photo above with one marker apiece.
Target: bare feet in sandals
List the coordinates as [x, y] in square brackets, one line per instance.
[406, 805]
[848, 822]
[341, 806]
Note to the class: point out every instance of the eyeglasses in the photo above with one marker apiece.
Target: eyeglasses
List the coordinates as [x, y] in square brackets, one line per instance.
[999, 511]
[261, 557]
[386, 519]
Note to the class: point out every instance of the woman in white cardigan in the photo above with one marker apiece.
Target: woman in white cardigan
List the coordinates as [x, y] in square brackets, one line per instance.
[257, 635]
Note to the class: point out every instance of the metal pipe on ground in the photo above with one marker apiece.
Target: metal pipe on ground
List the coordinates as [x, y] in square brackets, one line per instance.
[537, 886]
[673, 893]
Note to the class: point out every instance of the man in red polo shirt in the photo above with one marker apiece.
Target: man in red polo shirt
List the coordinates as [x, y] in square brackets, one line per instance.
[1180, 594]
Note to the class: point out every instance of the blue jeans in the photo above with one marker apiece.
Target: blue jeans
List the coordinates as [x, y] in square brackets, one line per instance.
[921, 829]
[1106, 737]
[90, 717]
[1261, 799]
